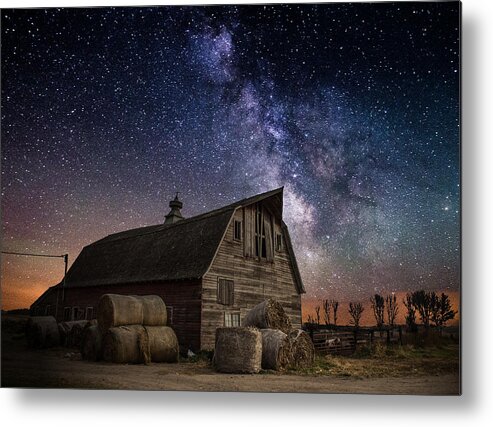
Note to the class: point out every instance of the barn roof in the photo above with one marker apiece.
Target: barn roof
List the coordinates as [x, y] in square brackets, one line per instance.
[182, 250]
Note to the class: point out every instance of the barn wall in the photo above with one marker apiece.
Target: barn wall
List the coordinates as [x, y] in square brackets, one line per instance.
[181, 298]
[254, 281]
[45, 305]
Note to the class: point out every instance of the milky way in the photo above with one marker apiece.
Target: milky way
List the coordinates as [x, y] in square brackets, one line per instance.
[353, 108]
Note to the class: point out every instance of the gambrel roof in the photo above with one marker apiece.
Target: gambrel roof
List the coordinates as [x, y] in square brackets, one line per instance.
[165, 252]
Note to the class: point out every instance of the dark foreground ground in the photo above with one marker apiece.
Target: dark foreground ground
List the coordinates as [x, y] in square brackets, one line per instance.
[401, 372]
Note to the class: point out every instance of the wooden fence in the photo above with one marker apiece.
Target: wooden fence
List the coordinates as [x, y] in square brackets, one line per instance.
[345, 342]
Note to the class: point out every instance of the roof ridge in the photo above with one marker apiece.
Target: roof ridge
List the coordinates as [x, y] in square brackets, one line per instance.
[156, 228]
[160, 227]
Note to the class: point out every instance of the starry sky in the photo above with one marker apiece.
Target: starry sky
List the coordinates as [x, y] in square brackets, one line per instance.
[353, 108]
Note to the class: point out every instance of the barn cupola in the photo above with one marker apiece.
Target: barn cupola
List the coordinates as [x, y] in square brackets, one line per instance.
[174, 214]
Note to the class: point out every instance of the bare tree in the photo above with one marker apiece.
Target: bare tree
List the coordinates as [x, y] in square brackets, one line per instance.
[441, 310]
[310, 319]
[378, 306]
[392, 309]
[326, 307]
[335, 305]
[355, 311]
[422, 303]
[317, 312]
[411, 313]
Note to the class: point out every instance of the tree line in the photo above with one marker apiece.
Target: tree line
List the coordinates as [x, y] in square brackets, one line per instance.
[431, 308]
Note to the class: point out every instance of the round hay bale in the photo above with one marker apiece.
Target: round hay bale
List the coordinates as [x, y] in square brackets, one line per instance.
[92, 322]
[42, 332]
[91, 346]
[302, 349]
[118, 310]
[269, 314]
[63, 330]
[66, 333]
[238, 350]
[276, 350]
[154, 310]
[125, 344]
[75, 334]
[163, 344]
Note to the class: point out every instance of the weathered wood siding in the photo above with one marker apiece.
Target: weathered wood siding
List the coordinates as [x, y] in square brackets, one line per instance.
[254, 280]
[182, 298]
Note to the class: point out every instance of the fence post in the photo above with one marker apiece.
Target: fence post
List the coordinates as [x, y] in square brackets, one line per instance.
[388, 336]
[400, 334]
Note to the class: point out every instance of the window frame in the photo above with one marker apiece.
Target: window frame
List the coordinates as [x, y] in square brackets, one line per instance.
[238, 222]
[65, 311]
[91, 309]
[230, 314]
[169, 315]
[260, 235]
[279, 242]
[219, 294]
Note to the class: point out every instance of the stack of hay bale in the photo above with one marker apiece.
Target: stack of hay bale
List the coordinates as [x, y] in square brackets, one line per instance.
[266, 340]
[130, 329]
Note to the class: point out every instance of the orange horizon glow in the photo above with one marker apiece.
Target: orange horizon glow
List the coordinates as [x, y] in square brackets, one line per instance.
[21, 289]
[25, 279]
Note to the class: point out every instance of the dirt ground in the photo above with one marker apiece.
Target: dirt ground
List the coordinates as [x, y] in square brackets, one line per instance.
[62, 368]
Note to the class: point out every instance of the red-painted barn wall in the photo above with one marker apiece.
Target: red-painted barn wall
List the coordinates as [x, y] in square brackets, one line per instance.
[183, 297]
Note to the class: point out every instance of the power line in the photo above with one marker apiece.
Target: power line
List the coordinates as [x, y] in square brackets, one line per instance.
[65, 259]
[27, 254]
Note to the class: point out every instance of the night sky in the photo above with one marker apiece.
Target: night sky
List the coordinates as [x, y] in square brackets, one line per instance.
[353, 108]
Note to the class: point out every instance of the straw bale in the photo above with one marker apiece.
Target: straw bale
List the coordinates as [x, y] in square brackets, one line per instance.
[163, 344]
[118, 310]
[269, 314]
[75, 334]
[125, 344]
[42, 332]
[154, 310]
[91, 347]
[238, 350]
[276, 350]
[63, 330]
[302, 349]
[67, 337]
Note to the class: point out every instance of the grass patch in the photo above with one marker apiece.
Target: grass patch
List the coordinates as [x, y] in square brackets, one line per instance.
[393, 361]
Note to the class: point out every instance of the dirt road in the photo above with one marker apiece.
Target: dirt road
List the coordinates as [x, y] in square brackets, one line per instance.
[22, 367]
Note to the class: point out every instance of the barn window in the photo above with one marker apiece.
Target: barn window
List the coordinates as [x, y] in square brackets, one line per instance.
[89, 313]
[231, 320]
[77, 313]
[278, 242]
[169, 313]
[238, 230]
[225, 292]
[66, 313]
[260, 245]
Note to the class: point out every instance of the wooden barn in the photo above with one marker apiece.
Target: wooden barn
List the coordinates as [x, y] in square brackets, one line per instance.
[209, 269]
